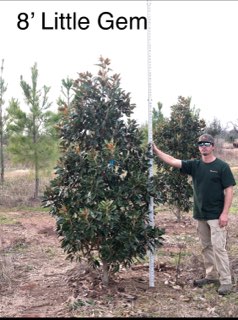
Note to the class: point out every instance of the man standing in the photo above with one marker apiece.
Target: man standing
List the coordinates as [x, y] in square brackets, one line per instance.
[213, 184]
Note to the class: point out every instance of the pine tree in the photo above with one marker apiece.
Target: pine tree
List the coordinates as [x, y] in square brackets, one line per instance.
[32, 138]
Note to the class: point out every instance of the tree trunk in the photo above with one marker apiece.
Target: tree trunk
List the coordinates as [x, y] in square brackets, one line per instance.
[36, 176]
[36, 193]
[2, 90]
[36, 159]
[177, 213]
[105, 276]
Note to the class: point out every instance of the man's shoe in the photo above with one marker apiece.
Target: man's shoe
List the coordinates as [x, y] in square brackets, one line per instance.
[202, 282]
[225, 289]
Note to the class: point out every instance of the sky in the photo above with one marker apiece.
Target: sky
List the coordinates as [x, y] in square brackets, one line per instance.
[194, 50]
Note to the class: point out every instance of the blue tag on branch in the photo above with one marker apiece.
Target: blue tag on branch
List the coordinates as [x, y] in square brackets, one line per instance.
[111, 163]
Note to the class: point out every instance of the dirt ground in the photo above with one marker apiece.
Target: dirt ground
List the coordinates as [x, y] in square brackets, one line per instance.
[37, 281]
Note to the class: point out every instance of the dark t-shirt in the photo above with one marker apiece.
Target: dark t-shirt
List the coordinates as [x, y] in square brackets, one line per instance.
[209, 182]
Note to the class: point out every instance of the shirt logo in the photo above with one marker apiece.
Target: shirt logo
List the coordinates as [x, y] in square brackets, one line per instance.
[214, 171]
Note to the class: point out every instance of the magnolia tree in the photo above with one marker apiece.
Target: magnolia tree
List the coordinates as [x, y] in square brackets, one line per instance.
[101, 191]
[177, 136]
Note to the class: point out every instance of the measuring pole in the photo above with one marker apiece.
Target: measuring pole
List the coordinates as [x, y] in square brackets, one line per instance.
[150, 135]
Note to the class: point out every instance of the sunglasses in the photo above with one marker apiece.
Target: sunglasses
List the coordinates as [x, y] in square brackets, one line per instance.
[205, 144]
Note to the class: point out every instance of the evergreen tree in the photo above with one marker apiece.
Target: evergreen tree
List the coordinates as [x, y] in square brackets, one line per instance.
[177, 136]
[157, 120]
[66, 91]
[32, 138]
[214, 128]
[101, 192]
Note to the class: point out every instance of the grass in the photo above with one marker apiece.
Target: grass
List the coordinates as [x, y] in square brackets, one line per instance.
[5, 219]
[18, 191]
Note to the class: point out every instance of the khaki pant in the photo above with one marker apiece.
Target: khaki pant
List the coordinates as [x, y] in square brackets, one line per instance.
[215, 256]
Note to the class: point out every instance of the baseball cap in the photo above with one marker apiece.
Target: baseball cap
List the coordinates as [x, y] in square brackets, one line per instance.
[206, 138]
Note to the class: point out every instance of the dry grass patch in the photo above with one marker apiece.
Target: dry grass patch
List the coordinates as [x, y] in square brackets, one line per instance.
[18, 189]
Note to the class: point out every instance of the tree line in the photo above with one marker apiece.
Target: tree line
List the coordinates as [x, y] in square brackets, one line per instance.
[30, 137]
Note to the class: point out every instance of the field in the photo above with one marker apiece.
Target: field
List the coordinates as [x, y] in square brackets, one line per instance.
[37, 281]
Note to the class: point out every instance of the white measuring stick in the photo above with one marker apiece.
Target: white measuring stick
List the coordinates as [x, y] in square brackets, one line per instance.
[150, 135]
